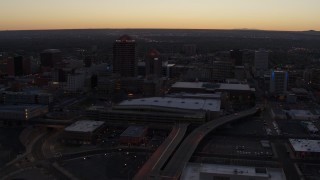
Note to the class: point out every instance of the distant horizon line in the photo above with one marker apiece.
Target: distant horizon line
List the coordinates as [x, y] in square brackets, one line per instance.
[239, 29]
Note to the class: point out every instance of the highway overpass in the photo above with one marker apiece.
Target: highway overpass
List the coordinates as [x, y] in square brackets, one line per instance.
[162, 154]
[183, 154]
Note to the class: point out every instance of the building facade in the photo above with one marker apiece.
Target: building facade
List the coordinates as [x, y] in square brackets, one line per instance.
[125, 57]
[18, 66]
[153, 64]
[50, 57]
[278, 82]
[222, 70]
[83, 132]
[133, 135]
[261, 61]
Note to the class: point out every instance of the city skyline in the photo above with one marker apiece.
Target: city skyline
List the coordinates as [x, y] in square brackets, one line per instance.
[291, 15]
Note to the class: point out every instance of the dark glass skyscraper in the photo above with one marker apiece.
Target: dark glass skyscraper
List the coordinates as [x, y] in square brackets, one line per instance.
[50, 57]
[18, 65]
[153, 64]
[125, 57]
[236, 56]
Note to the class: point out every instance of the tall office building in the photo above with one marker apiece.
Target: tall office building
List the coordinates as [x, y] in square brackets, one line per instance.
[190, 49]
[222, 70]
[18, 66]
[236, 57]
[125, 57]
[278, 81]
[50, 58]
[261, 61]
[153, 64]
[87, 61]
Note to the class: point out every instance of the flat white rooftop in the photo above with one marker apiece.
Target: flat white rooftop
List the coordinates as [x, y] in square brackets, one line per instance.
[297, 112]
[193, 171]
[305, 145]
[84, 126]
[193, 85]
[241, 87]
[310, 126]
[216, 95]
[302, 114]
[216, 86]
[179, 103]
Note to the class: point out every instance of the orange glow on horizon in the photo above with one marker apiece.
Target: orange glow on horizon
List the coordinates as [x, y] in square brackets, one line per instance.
[172, 14]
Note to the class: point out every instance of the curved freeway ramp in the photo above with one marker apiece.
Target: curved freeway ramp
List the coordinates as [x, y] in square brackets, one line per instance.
[162, 154]
[181, 157]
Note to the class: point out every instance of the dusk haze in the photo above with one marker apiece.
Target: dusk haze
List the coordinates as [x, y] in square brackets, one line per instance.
[289, 15]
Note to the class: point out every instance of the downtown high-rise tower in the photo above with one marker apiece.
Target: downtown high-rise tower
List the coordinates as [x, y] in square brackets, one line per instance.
[125, 57]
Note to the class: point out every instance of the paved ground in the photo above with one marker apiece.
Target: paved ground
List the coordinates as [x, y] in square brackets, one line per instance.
[287, 163]
[10, 144]
[311, 171]
[236, 146]
[121, 165]
[175, 166]
[33, 173]
[246, 126]
[160, 156]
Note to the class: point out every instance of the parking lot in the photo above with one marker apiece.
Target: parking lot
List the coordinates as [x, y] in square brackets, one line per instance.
[110, 139]
[10, 145]
[120, 165]
[248, 126]
[235, 146]
[33, 173]
[292, 127]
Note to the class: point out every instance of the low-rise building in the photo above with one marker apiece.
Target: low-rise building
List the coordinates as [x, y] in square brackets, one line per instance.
[301, 93]
[211, 107]
[198, 87]
[158, 110]
[310, 127]
[83, 132]
[195, 171]
[296, 114]
[133, 135]
[26, 98]
[305, 148]
[21, 112]
[278, 114]
[242, 93]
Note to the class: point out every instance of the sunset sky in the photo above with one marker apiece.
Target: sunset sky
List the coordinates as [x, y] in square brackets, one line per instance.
[193, 14]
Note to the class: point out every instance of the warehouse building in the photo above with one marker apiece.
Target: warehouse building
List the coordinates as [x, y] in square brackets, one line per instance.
[21, 112]
[302, 115]
[83, 132]
[36, 97]
[159, 110]
[305, 148]
[195, 171]
[241, 93]
[133, 135]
